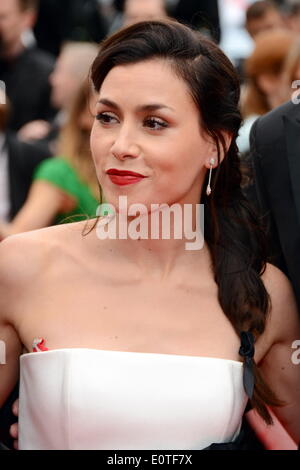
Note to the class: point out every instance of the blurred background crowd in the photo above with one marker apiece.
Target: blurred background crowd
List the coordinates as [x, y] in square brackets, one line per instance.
[46, 49]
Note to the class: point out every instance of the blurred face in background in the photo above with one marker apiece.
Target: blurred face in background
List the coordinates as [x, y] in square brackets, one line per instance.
[271, 20]
[13, 22]
[143, 10]
[70, 72]
[63, 81]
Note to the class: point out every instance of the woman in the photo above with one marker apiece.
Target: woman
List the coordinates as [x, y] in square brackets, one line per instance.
[141, 343]
[64, 188]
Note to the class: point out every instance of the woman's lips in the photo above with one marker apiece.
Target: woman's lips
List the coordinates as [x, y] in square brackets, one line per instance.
[124, 180]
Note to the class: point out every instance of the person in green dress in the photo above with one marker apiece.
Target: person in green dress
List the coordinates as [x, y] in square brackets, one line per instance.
[64, 188]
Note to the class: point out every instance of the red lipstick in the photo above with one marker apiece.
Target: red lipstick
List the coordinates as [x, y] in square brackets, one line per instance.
[124, 177]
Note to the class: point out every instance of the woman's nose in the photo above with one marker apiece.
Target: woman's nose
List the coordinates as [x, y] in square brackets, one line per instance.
[125, 145]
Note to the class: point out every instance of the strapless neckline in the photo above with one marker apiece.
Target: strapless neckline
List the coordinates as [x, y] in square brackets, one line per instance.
[95, 399]
[154, 354]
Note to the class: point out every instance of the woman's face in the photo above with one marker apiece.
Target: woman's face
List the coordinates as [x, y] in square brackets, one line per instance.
[146, 122]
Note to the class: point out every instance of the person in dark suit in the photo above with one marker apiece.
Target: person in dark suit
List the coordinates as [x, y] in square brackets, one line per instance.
[275, 153]
[275, 156]
[18, 161]
[68, 20]
[24, 70]
[23, 158]
[201, 14]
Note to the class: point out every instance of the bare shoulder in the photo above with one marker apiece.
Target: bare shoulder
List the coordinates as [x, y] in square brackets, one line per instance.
[277, 283]
[23, 257]
[283, 322]
[22, 254]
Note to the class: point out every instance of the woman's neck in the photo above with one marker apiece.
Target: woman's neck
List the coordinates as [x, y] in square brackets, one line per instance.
[157, 244]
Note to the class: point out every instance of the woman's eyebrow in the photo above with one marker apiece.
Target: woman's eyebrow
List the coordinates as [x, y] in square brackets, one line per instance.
[144, 107]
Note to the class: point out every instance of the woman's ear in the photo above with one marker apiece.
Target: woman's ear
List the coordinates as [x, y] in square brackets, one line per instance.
[227, 137]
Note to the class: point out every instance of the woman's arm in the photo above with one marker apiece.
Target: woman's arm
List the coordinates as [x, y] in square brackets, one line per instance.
[10, 346]
[279, 366]
[43, 203]
[11, 349]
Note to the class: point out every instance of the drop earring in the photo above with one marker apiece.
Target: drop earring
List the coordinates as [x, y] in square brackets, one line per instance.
[208, 189]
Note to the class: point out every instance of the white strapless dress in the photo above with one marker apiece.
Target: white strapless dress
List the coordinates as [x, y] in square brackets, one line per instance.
[94, 399]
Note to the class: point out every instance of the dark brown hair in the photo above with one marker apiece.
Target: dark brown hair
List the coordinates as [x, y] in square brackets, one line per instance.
[232, 231]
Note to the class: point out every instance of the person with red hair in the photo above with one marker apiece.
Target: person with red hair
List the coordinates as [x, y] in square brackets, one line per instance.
[263, 79]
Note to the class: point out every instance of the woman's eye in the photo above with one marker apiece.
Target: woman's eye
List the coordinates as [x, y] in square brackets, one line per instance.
[105, 118]
[155, 124]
